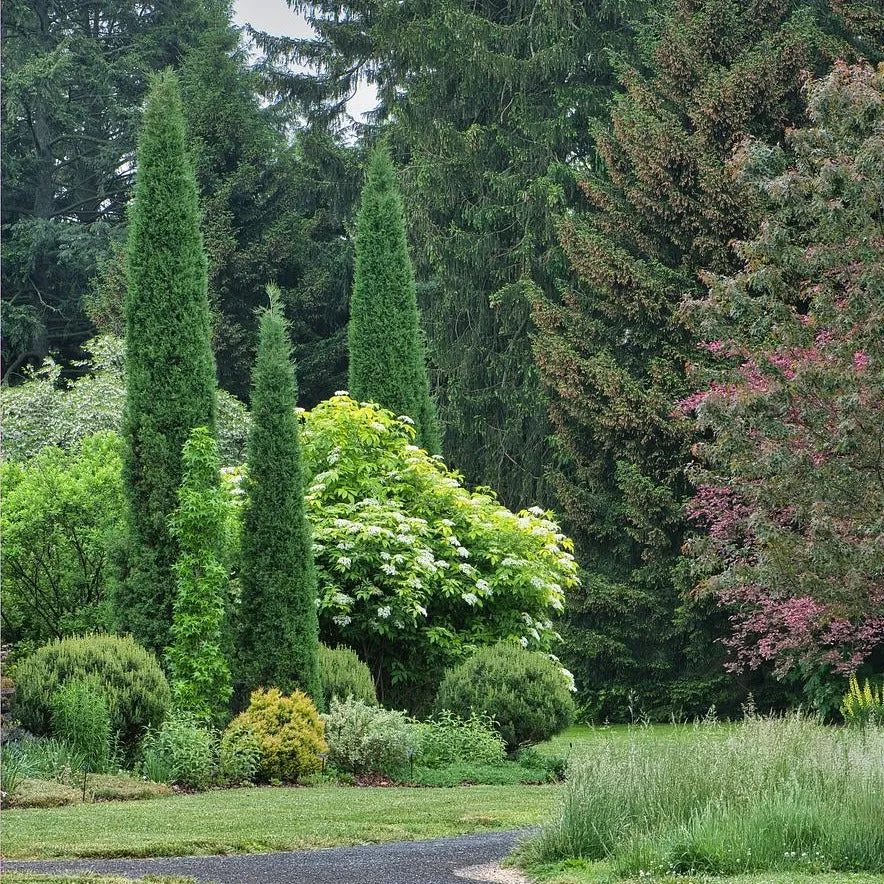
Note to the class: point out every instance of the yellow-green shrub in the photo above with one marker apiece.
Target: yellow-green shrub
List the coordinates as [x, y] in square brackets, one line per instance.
[288, 731]
[863, 705]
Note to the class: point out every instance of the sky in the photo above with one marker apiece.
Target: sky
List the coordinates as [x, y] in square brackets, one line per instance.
[275, 17]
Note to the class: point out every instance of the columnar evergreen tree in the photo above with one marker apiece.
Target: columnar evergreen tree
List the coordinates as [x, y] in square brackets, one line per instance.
[170, 372]
[279, 630]
[613, 350]
[387, 363]
[200, 671]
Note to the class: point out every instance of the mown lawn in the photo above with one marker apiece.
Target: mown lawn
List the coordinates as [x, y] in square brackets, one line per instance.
[264, 819]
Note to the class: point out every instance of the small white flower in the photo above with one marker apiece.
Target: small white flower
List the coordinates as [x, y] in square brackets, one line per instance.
[463, 552]
[405, 419]
[466, 568]
[523, 641]
[384, 612]
[389, 569]
[345, 562]
[377, 425]
[470, 598]
[341, 620]
[342, 392]
[536, 511]
[421, 610]
[483, 585]
[341, 598]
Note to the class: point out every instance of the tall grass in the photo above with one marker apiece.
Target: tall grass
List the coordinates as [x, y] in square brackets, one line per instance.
[774, 794]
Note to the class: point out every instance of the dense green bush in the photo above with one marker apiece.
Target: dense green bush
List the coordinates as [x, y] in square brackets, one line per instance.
[523, 692]
[344, 675]
[180, 751]
[131, 680]
[449, 739]
[288, 731]
[239, 756]
[80, 718]
[367, 739]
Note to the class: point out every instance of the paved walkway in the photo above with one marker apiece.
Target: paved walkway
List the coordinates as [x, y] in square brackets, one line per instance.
[441, 861]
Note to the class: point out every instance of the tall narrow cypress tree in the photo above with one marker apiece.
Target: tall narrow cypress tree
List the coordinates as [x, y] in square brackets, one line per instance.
[387, 362]
[279, 627]
[170, 371]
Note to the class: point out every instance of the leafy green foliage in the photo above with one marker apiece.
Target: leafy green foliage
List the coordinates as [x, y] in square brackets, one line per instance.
[61, 512]
[131, 680]
[386, 355]
[365, 738]
[201, 683]
[46, 410]
[449, 739]
[789, 469]
[278, 634]
[181, 751]
[414, 569]
[170, 372]
[81, 718]
[523, 692]
[239, 756]
[344, 675]
[288, 731]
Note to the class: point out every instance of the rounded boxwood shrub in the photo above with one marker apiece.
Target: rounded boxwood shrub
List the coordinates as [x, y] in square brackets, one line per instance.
[344, 675]
[287, 730]
[129, 677]
[523, 692]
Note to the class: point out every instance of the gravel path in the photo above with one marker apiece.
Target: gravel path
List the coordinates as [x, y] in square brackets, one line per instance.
[441, 861]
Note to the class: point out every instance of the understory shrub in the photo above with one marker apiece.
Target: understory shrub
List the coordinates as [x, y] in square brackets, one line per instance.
[863, 705]
[181, 751]
[344, 675]
[287, 730]
[775, 794]
[132, 683]
[523, 692]
[449, 739]
[239, 756]
[81, 719]
[367, 739]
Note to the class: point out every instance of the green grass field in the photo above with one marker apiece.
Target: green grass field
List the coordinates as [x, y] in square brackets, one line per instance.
[263, 819]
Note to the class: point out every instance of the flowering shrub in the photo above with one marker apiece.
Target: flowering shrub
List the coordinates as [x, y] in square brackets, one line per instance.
[414, 569]
[287, 730]
[790, 490]
[366, 739]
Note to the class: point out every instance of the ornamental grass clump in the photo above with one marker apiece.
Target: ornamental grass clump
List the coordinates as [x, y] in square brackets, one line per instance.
[784, 794]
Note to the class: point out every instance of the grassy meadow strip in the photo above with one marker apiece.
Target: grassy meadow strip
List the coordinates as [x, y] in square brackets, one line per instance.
[785, 795]
[265, 819]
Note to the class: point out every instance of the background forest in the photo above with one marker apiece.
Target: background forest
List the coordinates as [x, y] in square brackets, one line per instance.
[647, 247]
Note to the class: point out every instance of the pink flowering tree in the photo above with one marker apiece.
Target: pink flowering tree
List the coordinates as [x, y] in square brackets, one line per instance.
[790, 475]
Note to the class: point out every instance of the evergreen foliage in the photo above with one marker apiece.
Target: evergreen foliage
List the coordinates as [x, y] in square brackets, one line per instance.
[613, 349]
[131, 681]
[386, 355]
[279, 628]
[170, 373]
[345, 675]
[201, 684]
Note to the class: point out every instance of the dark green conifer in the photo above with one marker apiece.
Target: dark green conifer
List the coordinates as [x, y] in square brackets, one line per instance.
[279, 628]
[387, 363]
[170, 372]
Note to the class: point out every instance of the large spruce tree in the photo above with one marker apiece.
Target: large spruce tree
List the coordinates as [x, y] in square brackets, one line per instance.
[279, 627]
[170, 372]
[613, 350]
[387, 363]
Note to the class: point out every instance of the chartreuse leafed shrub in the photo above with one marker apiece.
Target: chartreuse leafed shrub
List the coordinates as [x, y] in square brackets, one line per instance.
[863, 705]
[523, 692]
[450, 739]
[132, 683]
[344, 675]
[180, 751]
[365, 738]
[287, 730]
[776, 794]
[80, 718]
